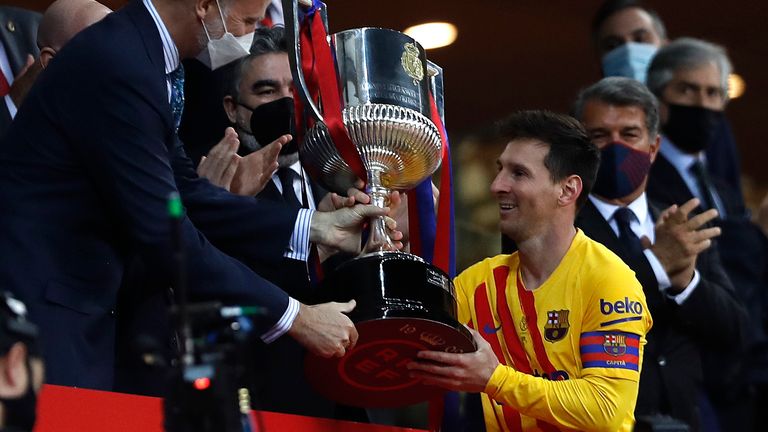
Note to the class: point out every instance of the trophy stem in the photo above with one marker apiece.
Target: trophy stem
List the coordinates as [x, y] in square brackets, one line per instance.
[378, 239]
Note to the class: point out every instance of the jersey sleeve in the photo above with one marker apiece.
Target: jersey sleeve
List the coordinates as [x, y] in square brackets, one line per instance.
[603, 396]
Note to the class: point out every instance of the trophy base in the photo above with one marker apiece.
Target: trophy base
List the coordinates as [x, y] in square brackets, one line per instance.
[404, 305]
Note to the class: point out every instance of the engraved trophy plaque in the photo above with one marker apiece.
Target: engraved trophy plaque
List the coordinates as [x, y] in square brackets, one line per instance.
[404, 304]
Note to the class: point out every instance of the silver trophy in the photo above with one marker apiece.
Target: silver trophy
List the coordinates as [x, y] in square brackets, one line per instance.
[404, 304]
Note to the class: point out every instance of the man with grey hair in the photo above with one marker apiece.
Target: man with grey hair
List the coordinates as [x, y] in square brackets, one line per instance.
[689, 77]
[690, 297]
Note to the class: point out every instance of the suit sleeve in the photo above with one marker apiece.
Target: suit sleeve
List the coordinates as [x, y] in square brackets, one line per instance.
[611, 344]
[256, 234]
[120, 128]
[713, 313]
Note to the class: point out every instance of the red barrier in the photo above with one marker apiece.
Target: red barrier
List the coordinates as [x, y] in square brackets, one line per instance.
[66, 409]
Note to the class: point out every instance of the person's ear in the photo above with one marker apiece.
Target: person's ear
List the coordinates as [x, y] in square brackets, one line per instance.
[46, 55]
[230, 107]
[655, 146]
[202, 7]
[13, 372]
[570, 190]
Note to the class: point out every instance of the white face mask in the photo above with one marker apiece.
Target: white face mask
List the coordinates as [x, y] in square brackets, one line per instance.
[226, 49]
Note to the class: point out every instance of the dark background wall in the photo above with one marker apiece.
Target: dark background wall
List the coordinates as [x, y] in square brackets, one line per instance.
[518, 54]
[537, 54]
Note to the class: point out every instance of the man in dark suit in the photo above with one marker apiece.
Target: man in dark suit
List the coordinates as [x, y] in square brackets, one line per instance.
[690, 297]
[85, 174]
[690, 79]
[18, 51]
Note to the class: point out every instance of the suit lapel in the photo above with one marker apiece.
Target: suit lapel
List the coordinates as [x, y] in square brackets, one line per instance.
[270, 192]
[153, 47]
[597, 228]
[665, 185]
[10, 41]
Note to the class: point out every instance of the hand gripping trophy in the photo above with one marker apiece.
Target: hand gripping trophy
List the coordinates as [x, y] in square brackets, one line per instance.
[379, 104]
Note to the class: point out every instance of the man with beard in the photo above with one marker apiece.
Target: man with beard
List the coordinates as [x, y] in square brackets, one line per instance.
[690, 79]
[21, 368]
[559, 324]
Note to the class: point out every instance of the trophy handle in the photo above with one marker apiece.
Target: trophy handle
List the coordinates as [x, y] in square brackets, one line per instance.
[290, 10]
[435, 73]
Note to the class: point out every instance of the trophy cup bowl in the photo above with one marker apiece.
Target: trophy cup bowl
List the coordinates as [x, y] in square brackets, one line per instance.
[404, 304]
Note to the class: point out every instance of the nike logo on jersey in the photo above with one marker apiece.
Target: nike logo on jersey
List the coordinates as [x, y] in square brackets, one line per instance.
[490, 330]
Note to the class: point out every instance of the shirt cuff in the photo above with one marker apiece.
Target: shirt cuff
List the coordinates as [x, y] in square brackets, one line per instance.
[681, 297]
[284, 323]
[658, 270]
[11, 106]
[298, 247]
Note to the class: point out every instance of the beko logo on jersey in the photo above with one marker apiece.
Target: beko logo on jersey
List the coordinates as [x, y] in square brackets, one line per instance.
[621, 307]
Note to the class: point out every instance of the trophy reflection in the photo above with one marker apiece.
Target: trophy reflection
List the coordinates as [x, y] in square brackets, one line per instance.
[404, 304]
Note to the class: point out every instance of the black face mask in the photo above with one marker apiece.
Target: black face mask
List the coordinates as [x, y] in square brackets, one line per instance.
[692, 129]
[272, 120]
[20, 413]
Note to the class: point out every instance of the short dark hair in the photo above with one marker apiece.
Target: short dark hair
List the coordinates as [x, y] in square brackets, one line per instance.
[570, 149]
[621, 92]
[611, 7]
[266, 40]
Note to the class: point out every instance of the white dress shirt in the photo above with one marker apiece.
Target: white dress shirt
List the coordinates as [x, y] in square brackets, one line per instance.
[643, 226]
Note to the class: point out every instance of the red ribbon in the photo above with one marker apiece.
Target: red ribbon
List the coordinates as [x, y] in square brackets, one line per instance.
[443, 244]
[322, 82]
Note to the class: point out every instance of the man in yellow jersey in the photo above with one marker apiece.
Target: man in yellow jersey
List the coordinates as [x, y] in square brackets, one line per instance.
[560, 325]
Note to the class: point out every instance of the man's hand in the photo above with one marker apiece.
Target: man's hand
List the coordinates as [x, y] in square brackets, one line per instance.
[256, 169]
[341, 229]
[24, 80]
[468, 372]
[220, 165]
[333, 201]
[679, 240]
[324, 329]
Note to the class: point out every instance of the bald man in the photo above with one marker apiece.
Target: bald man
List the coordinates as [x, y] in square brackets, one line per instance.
[62, 21]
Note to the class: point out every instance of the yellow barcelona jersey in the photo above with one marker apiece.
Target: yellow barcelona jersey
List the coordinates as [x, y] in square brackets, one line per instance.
[570, 350]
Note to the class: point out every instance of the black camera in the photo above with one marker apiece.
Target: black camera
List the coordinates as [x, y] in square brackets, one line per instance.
[207, 390]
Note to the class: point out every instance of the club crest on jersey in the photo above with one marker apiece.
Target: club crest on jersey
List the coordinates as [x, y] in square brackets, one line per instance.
[557, 325]
[615, 344]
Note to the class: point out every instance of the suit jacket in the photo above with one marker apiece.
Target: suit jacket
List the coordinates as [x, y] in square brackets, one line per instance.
[744, 251]
[18, 34]
[711, 318]
[85, 173]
